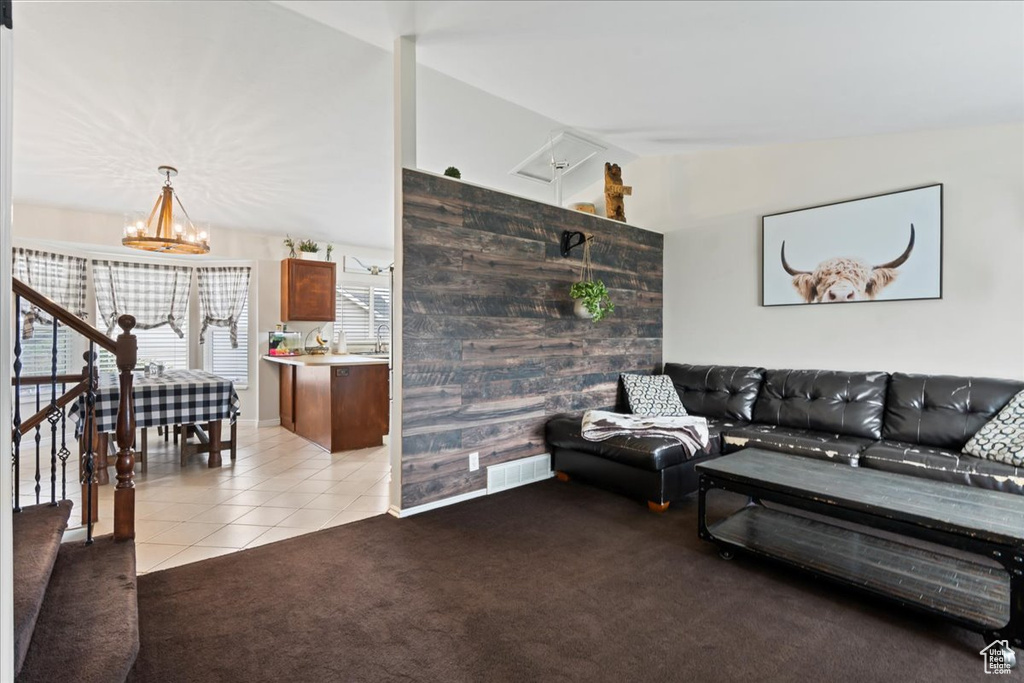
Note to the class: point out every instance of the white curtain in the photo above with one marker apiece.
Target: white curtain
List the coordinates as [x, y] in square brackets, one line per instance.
[58, 277]
[222, 295]
[154, 295]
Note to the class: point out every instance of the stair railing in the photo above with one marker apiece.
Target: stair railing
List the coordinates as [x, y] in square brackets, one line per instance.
[83, 387]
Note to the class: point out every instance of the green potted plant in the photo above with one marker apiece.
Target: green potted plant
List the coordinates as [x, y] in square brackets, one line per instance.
[327, 253]
[290, 243]
[452, 172]
[592, 300]
[590, 294]
[308, 250]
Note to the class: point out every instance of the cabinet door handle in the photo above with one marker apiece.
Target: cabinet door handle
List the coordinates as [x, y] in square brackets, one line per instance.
[341, 372]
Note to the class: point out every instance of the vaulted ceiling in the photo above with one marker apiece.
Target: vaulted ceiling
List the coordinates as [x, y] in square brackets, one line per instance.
[279, 114]
[668, 77]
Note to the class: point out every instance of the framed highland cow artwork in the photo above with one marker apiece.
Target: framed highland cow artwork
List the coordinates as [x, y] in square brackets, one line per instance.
[882, 248]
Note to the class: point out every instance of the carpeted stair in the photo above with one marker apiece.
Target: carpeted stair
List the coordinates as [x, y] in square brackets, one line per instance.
[37, 533]
[75, 605]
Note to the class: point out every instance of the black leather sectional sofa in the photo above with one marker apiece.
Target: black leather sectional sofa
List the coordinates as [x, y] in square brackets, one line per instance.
[908, 424]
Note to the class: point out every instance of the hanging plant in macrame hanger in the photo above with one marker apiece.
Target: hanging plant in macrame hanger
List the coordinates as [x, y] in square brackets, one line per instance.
[591, 295]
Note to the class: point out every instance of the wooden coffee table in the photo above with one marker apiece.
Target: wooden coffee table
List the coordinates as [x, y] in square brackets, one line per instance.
[981, 587]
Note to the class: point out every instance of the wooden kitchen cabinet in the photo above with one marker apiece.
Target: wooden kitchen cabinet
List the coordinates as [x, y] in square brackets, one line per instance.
[339, 403]
[307, 290]
[288, 397]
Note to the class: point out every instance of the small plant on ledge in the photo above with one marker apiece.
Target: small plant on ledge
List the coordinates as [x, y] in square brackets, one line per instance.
[592, 300]
[592, 296]
[309, 249]
[452, 172]
[290, 243]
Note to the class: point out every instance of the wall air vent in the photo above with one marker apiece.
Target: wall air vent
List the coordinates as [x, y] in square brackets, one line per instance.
[509, 475]
[566, 149]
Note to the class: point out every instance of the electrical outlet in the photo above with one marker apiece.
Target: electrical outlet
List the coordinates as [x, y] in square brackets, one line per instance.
[474, 461]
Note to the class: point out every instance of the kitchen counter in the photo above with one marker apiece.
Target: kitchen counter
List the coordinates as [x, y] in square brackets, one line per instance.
[328, 359]
[339, 402]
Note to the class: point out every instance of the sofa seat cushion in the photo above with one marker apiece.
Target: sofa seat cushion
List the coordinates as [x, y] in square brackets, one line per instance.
[820, 445]
[943, 465]
[717, 427]
[648, 453]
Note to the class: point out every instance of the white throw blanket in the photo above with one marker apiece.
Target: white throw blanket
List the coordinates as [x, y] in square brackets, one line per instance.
[691, 432]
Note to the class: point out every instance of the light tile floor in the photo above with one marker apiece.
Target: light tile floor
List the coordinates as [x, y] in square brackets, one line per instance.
[280, 486]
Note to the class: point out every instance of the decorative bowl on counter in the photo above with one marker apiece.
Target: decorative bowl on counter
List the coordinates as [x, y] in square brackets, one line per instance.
[320, 348]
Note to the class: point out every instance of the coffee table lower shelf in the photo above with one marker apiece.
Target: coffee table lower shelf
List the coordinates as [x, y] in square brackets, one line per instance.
[962, 589]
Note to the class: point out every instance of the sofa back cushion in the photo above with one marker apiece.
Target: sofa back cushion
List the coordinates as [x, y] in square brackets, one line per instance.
[850, 403]
[941, 410]
[723, 391]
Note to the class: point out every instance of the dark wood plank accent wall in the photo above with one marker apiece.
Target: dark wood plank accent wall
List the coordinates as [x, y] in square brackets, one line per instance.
[491, 348]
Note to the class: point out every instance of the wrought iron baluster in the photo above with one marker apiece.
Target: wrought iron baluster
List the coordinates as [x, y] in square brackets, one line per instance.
[39, 438]
[16, 445]
[53, 416]
[88, 465]
[63, 453]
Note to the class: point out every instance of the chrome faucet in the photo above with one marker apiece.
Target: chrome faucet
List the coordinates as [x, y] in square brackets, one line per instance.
[379, 346]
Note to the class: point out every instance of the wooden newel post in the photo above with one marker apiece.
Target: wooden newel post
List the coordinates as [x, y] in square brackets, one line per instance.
[124, 493]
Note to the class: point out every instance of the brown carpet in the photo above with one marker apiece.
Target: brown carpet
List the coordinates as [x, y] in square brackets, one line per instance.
[549, 582]
[88, 629]
[36, 532]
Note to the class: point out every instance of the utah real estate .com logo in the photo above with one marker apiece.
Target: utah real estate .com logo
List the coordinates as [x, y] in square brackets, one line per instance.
[999, 657]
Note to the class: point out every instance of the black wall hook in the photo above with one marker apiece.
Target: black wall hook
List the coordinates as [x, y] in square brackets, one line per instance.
[568, 244]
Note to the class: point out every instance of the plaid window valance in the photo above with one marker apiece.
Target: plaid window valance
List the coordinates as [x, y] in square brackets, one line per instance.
[155, 295]
[222, 295]
[58, 277]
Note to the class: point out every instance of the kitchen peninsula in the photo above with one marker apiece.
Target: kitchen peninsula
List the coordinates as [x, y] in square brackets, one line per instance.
[339, 402]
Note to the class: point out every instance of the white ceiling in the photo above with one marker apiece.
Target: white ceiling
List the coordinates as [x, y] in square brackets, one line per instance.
[274, 122]
[667, 77]
[280, 123]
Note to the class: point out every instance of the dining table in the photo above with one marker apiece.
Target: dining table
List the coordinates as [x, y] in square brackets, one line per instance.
[184, 400]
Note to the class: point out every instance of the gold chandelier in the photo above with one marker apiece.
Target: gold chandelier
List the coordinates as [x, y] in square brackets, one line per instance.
[161, 232]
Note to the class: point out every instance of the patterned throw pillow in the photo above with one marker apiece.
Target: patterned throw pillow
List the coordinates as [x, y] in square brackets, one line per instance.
[652, 395]
[1002, 437]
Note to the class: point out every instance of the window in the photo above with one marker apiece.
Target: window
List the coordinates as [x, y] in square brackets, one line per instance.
[158, 344]
[61, 278]
[36, 358]
[164, 345]
[361, 309]
[220, 359]
[157, 296]
[224, 312]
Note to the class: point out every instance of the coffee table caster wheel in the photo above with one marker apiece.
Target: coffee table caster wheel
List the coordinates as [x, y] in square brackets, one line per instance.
[726, 554]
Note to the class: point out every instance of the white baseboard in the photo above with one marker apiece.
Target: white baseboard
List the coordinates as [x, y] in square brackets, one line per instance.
[273, 422]
[402, 513]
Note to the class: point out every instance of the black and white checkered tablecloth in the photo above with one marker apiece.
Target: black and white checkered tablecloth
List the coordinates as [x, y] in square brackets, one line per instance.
[176, 397]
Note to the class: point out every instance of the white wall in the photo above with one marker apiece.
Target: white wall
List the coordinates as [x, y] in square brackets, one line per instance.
[710, 205]
[88, 233]
[485, 137]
